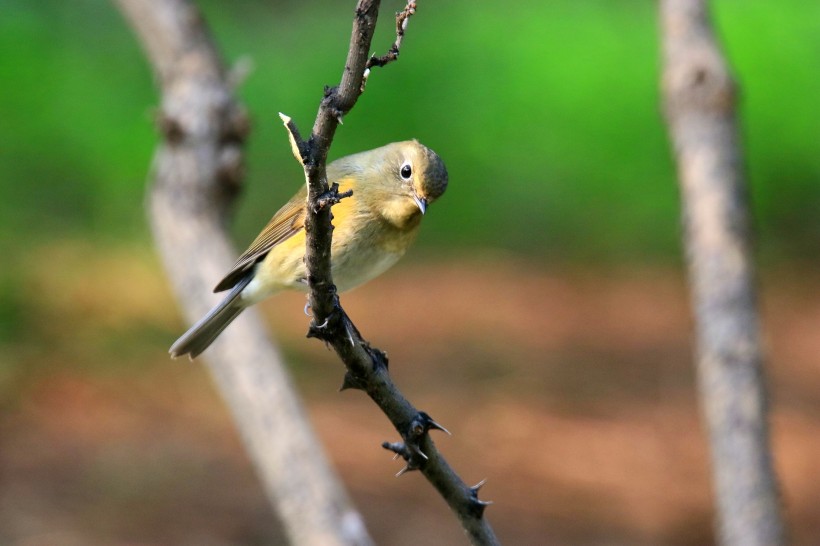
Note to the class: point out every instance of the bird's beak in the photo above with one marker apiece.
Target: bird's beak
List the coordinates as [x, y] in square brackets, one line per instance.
[421, 202]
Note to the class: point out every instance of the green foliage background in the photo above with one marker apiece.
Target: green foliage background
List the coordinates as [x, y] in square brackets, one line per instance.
[547, 114]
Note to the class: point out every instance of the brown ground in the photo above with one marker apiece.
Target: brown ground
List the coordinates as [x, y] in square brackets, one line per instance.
[571, 392]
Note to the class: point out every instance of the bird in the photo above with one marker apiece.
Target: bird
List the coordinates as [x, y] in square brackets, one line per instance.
[392, 187]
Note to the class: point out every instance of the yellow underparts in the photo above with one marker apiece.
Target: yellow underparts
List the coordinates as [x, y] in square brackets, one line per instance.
[372, 231]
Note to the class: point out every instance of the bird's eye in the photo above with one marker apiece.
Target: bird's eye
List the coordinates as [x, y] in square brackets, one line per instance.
[406, 171]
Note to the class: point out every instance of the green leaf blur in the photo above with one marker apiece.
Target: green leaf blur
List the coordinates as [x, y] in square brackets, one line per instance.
[547, 114]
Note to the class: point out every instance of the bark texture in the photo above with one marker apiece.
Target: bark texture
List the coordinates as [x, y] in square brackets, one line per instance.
[700, 107]
[196, 173]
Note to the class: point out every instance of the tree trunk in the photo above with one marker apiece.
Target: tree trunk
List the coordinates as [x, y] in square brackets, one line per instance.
[700, 99]
[196, 173]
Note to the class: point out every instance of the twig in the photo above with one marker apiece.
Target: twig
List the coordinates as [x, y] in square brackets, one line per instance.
[402, 18]
[367, 365]
[700, 101]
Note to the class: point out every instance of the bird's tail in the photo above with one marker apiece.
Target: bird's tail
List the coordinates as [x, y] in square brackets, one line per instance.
[200, 336]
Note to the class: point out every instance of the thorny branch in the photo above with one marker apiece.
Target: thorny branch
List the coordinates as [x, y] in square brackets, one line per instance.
[366, 365]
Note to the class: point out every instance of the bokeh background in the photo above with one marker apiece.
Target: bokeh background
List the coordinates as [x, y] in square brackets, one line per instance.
[542, 315]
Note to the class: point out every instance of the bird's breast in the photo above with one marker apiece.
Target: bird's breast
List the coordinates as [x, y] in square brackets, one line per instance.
[367, 247]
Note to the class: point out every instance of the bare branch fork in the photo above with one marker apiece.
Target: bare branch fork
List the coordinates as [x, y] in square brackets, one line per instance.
[366, 365]
[700, 99]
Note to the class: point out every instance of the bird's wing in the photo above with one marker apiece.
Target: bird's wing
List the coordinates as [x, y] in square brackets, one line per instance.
[286, 223]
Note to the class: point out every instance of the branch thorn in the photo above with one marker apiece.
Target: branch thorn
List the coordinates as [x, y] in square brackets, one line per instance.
[475, 489]
[436, 426]
[350, 382]
[423, 423]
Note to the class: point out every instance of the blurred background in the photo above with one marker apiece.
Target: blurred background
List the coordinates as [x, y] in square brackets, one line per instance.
[546, 289]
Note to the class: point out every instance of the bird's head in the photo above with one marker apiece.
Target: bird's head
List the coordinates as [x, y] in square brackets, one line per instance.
[418, 172]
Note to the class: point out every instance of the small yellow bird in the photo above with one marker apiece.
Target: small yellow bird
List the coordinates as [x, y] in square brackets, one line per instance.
[392, 187]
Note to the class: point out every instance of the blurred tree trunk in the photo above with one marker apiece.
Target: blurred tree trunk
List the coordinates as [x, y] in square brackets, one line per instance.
[700, 99]
[196, 173]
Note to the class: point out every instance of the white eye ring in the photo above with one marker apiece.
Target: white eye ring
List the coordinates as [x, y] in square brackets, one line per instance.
[406, 171]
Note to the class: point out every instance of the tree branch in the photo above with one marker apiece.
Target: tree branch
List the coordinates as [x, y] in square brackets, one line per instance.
[197, 172]
[367, 365]
[700, 99]
[402, 18]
